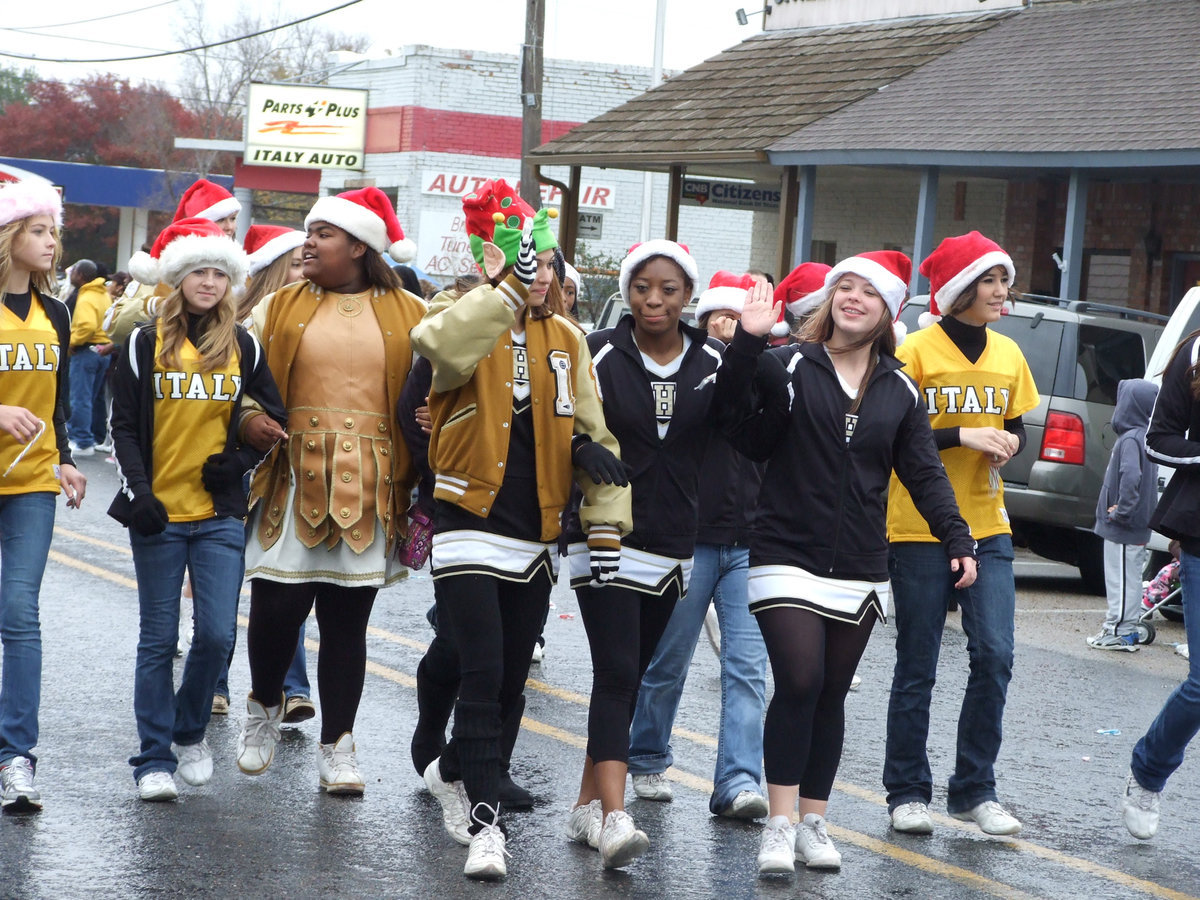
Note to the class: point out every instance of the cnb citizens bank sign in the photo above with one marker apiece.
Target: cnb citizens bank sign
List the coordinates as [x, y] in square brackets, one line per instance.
[305, 126]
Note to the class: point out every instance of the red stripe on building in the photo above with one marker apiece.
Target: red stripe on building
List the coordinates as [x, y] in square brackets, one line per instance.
[410, 129]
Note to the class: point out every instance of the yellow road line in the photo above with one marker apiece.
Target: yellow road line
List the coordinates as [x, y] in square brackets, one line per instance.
[695, 782]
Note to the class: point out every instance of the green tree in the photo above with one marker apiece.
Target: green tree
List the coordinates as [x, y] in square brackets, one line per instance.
[14, 84]
[600, 273]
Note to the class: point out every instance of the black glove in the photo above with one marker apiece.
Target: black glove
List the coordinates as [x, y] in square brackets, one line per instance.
[525, 268]
[222, 471]
[601, 463]
[148, 516]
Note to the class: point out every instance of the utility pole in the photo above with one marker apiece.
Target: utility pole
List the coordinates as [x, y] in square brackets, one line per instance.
[531, 98]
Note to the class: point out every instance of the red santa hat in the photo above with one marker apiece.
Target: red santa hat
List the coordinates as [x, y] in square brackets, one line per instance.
[22, 199]
[889, 272]
[266, 243]
[205, 200]
[677, 253]
[725, 291]
[803, 289]
[955, 264]
[191, 244]
[368, 215]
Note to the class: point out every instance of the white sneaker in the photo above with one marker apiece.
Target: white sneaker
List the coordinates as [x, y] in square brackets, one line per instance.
[654, 786]
[777, 848]
[538, 653]
[78, 451]
[338, 766]
[260, 734]
[992, 818]
[17, 790]
[912, 818]
[195, 763]
[746, 805]
[1141, 810]
[712, 629]
[584, 824]
[456, 808]
[157, 786]
[485, 858]
[855, 682]
[620, 840]
[813, 846]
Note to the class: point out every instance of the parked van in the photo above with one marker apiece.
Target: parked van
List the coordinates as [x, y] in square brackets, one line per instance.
[1078, 352]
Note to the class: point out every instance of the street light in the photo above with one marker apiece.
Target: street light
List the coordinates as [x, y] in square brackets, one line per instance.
[742, 14]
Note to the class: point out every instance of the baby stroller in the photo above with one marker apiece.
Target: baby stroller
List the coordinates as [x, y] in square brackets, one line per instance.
[1163, 594]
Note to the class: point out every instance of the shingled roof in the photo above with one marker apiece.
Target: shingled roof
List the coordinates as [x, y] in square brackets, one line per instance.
[1098, 77]
[734, 106]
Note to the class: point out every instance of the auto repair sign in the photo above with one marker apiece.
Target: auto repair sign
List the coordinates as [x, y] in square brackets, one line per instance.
[305, 126]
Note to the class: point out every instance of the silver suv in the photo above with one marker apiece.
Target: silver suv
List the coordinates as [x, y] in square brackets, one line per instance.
[1077, 351]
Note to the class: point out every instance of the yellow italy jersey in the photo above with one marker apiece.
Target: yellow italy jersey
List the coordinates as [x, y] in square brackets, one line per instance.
[959, 393]
[192, 410]
[29, 361]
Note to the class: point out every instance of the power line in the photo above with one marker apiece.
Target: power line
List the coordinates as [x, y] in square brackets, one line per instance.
[209, 46]
[128, 12]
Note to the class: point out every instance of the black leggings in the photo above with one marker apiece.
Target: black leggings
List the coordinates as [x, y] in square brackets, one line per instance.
[623, 629]
[493, 624]
[277, 611]
[813, 659]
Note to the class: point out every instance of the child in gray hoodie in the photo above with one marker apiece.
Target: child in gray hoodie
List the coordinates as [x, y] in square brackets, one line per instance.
[1123, 511]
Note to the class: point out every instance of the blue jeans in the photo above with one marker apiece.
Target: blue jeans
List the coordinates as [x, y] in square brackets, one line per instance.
[87, 389]
[213, 549]
[1160, 750]
[295, 682]
[26, 526]
[718, 572]
[922, 586]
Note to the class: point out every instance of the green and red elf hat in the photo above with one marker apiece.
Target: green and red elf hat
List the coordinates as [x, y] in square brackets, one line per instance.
[496, 214]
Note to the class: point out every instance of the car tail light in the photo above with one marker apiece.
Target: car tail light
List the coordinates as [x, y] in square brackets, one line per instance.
[1063, 438]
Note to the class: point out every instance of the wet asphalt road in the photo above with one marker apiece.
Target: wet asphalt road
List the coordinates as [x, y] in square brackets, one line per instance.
[278, 836]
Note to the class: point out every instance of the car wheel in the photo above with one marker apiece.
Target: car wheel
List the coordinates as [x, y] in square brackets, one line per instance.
[1090, 559]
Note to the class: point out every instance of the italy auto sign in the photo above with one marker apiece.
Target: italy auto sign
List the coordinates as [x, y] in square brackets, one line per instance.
[305, 126]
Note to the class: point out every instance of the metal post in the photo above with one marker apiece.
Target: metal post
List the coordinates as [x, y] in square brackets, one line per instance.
[660, 21]
[789, 191]
[1073, 236]
[531, 98]
[926, 222]
[806, 199]
[675, 190]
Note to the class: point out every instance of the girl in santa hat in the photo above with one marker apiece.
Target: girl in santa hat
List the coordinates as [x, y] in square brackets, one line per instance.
[975, 385]
[330, 500]
[831, 417]
[276, 258]
[37, 464]
[177, 392]
[516, 411]
[720, 567]
[655, 373]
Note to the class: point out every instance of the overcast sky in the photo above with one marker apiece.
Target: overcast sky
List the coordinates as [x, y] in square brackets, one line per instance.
[617, 31]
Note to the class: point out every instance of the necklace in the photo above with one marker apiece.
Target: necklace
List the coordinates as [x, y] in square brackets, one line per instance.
[351, 305]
